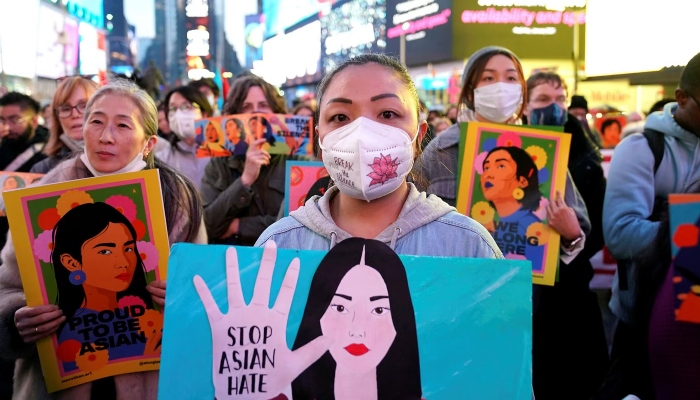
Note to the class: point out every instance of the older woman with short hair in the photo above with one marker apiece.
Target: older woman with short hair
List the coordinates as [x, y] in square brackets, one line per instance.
[120, 133]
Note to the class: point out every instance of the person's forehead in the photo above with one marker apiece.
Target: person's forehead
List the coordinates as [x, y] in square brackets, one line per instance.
[548, 88]
[12, 109]
[362, 281]
[362, 82]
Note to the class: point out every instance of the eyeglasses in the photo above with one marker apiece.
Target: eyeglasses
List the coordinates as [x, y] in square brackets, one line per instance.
[183, 107]
[13, 120]
[66, 110]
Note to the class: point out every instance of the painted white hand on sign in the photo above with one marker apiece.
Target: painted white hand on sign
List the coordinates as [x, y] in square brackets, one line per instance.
[251, 358]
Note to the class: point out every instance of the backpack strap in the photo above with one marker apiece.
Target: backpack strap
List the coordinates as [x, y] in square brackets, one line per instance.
[657, 144]
[21, 159]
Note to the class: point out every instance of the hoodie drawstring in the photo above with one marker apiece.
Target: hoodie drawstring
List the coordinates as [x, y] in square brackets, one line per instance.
[334, 236]
[397, 232]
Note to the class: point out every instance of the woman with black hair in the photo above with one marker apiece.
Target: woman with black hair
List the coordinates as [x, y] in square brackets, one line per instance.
[96, 263]
[511, 185]
[366, 309]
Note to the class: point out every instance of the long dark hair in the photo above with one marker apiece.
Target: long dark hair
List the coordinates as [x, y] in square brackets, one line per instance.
[398, 374]
[77, 226]
[527, 169]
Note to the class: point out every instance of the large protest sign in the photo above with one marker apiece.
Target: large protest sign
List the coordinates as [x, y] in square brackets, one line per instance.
[509, 175]
[359, 320]
[91, 246]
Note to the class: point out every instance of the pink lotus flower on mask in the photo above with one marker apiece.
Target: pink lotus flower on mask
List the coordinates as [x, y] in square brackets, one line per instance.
[384, 168]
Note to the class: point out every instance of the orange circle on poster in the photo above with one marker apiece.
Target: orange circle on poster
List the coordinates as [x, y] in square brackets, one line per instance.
[322, 173]
[140, 229]
[302, 200]
[296, 175]
[48, 219]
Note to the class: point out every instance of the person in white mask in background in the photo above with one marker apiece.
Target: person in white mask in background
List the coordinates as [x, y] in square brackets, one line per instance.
[184, 105]
[210, 90]
[494, 90]
[368, 129]
[120, 133]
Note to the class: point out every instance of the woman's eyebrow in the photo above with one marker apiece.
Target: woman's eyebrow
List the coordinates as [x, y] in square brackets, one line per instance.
[129, 242]
[375, 298]
[104, 245]
[383, 96]
[345, 296]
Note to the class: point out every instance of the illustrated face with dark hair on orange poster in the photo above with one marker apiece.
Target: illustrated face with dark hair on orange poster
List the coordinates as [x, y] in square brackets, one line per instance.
[610, 129]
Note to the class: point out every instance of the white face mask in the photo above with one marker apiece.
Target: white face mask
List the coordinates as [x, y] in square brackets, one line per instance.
[366, 159]
[136, 164]
[498, 102]
[182, 123]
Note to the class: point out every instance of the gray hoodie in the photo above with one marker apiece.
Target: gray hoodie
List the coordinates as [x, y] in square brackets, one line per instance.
[426, 226]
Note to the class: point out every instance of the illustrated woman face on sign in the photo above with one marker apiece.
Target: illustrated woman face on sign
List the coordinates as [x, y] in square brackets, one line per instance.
[359, 298]
[96, 260]
[510, 177]
[211, 133]
[234, 130]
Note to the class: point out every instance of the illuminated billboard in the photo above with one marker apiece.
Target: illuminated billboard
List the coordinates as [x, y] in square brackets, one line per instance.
[293, 58]
[353, 28]
[538, 29]
[427, 26]
[57, 45]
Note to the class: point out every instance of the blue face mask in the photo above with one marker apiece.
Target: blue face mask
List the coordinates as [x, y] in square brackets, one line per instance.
[552, 115]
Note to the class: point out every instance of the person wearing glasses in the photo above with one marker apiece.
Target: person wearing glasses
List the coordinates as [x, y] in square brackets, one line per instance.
[184, 105]
[21, 137]
[66, 121]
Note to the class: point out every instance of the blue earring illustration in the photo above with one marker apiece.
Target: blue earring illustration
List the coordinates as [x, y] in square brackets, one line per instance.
[77, 277]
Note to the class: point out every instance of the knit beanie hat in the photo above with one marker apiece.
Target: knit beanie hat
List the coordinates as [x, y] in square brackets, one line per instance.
[579, 102]
[487, 52]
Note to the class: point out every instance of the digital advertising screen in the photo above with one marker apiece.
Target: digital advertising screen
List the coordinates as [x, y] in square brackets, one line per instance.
[539, 29]
[18, 37]
[280, 15]
[353, 28]
[295, 57]
[427, 27]
[93, 56]
[57, 45]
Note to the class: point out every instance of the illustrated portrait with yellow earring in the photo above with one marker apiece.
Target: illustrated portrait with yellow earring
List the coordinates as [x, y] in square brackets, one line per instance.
[510, 184]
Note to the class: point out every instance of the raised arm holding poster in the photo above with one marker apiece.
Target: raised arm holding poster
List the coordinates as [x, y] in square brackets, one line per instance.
[508, 174]
[286, 134]
[357, 322]
[91, 246]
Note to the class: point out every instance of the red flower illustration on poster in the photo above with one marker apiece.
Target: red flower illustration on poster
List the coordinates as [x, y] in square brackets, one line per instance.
[384, 168]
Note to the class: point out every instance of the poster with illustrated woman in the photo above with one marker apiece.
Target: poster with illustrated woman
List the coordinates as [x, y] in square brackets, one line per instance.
[15, 180]
[356, 322]
[91, 246]
[232, 134]
[508, 173]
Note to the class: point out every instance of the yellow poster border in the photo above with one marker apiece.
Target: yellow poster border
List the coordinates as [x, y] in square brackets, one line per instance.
[465, 184]
[14, 200]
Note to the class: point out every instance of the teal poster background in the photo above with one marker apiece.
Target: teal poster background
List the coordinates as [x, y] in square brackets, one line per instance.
[473, 317]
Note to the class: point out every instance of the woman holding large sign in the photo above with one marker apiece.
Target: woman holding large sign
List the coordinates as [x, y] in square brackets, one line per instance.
[120, 134]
